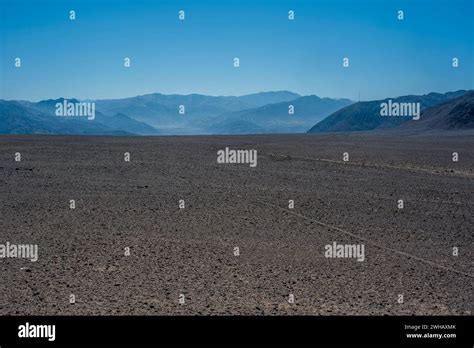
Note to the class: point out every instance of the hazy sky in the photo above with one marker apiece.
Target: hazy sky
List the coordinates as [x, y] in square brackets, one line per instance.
[84, 58]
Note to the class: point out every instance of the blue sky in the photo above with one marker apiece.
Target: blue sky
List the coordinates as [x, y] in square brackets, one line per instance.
[84, 58]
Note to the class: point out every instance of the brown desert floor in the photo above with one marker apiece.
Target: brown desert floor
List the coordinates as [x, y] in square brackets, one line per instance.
[190, 251]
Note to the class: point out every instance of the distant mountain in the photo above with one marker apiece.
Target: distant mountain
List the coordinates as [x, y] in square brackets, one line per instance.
[118, 122]
[455, 114]
[138, 115]
[259, 113]
[275, 118]
[162, 111]
[49, 106]
[20, 118]
[364, 116]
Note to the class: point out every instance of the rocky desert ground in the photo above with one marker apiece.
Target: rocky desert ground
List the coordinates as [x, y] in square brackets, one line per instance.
[184, 260]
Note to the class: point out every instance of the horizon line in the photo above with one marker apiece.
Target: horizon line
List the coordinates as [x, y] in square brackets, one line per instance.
[236, 96]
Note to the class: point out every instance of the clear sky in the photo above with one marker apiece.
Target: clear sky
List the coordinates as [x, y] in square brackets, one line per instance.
[84, 58]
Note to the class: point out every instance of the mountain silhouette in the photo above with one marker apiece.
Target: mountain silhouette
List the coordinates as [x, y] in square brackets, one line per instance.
[275, 118]
[163, 111]
[454, 115]
[365, 116]
[19, 118]
[259, 113]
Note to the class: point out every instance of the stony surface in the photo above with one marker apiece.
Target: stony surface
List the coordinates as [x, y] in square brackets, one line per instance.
[191, 251]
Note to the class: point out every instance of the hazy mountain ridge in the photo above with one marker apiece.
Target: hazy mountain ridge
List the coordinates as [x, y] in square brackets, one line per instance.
[275, 118]
[455, 114]
[144, 114]
[365, 116]
[18, 118]
[163, 111]
[203, 115]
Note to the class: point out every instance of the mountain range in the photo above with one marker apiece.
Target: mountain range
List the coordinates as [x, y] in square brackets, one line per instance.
[153, 114]
[366, 116]
[21, 117]
[453, 115]
[190, 114]
[259, 113]
[275, 118]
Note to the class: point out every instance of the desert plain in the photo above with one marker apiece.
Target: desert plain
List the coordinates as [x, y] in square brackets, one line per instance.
[190, 253]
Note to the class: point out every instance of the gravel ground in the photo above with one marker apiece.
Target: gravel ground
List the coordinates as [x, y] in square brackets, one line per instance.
[190, 251]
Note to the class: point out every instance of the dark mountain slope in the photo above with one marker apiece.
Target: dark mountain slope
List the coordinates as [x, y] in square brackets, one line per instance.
[456, 114]
[364, 116]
